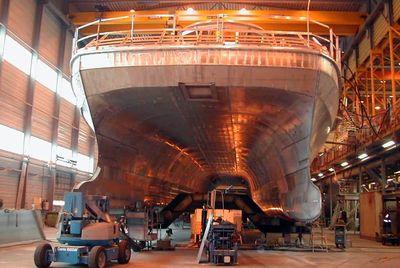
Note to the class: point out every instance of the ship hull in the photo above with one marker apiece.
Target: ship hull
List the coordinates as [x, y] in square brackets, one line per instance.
[171, 120]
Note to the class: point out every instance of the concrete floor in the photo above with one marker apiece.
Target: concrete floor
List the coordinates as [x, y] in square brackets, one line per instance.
[363, 253]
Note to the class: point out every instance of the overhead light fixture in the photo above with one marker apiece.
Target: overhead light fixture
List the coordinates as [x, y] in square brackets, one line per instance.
[321, 154]
[388, 144]
[362, 156]
[397, 172]
[320, 175]
[328, 129]
[331, 169]
[313, 179]
[390, 180]
[190, 10]
[377, 107]
[243, 11]
[344, 164]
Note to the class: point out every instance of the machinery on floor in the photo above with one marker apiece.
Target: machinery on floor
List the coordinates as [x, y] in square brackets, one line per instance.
[87, 235]
[221, 244]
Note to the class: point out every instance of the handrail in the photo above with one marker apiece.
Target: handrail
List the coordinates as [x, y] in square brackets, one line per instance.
[363, 137]
[218, 35]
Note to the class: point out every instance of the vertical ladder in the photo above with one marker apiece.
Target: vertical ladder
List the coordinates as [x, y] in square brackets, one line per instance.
[318, 238]
[204, 239]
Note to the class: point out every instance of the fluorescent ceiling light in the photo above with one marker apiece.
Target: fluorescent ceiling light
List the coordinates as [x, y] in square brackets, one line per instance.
[313, 179]
[190, 10]
[243, 11]
[362, 156]
[397, 172]
[344, 164]
[320, 175]
[388, 144]
[331, 169]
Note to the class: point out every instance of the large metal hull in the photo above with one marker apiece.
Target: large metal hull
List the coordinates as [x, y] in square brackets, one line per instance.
[168, 120]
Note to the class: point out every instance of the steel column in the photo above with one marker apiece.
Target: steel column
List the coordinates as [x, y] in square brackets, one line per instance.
[20, 199]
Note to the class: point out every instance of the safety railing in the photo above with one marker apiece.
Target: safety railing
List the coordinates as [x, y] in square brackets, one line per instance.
[384, 125]
[216, 34]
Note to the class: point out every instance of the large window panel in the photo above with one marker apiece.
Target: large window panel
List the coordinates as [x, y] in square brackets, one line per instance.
[17, 55]
[46, 75]
[11, 140]
[40, 149]
[64, 156]
[84, 163]
[66, 91]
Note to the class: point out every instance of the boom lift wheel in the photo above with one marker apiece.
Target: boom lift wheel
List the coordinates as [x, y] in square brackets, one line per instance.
[41, 256]
[124, 252]
[97, 257]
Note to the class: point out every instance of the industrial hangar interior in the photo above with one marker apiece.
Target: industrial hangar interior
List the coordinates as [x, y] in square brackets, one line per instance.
[172, 133]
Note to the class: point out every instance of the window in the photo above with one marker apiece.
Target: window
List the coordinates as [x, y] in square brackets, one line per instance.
[84, 163]
[66, 91]
[17, 55]
[40, 149]
[64, 156]
[46, 76]
[11, 140]
[86, 114]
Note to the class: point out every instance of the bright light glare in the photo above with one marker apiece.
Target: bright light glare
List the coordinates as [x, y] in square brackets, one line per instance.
[388, 144]
[17, 55]
[397, 172]
[313, 179]
[344, 164]
[320, 174]
[331, 170]
[66, 91]
[46, 75]
[362, 156]
[243, 11]
[58, 203]
[40, 149]
[11, 140]
[190, 10]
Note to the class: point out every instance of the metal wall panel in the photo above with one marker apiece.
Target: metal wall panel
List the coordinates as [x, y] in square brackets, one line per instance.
[66, 120]
[13, 91]
[50, 37]
[396, 9]
[364, 49]
[84, 138]
[381, 27]
[9, 177]
[21, 19]
[67, 54]
[43, 110]
[37, 182]
[352, 64]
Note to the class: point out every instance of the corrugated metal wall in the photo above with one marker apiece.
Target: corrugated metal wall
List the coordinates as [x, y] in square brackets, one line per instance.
[50, 37]
[364, 49]
[396, 9]
[13, 91]
[14, 88]
[21, 19]
[380, 29]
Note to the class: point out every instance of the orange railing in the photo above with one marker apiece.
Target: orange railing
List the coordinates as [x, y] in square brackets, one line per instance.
[383, 123]
[197, 34]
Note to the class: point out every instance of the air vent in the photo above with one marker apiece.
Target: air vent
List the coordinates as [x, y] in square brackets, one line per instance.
[199, 92]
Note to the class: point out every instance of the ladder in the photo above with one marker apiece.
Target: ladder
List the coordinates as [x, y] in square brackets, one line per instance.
[204, 239]
[318, 239]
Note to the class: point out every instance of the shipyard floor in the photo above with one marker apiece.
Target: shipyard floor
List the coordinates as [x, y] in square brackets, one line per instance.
[363, 253]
